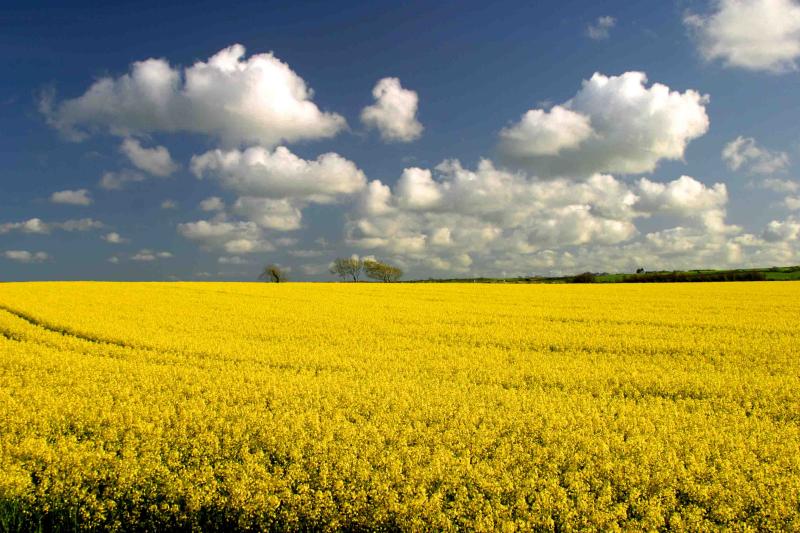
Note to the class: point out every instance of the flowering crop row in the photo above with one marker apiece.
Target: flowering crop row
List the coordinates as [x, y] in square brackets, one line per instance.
[413, 407]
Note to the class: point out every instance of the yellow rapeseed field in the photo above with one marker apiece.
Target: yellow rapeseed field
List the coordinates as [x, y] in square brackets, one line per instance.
[400, 406]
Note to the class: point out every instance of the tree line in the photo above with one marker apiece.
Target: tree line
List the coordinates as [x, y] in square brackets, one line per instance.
[346, 268]
[678, 277]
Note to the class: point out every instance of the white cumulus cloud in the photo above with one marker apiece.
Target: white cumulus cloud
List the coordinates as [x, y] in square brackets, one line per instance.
[257, 171]
[792, 203]
[455, 219]
[37, 225]
[270, 213]
[24, 256]
[750, 34]
[82, 224]
[72, 197]
[417, 190]
[780, 185]
[113, 238]
[394, 112]
[232, 260]
[32, 225]
[613, 124]
[239, 99]
[146, 255]
[115, 181]
[212, 203]
[155, 161]
[688, 198]
[232, 237]
[782, 230]
[744, 153]
[542, 132]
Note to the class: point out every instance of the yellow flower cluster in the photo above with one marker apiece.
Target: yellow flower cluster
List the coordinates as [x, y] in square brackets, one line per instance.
[400, 406]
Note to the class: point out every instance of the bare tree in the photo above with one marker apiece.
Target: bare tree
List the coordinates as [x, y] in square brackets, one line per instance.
[273, 273]
[347, 268]
[382, 271]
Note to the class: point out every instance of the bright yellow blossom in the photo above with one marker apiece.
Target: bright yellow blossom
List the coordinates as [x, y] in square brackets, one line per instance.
[385, 406]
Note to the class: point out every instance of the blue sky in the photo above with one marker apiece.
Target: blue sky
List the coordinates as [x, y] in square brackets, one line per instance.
[453, 138]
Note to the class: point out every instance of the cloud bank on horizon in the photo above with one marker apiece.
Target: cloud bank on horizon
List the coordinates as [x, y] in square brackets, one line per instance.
[565, 187]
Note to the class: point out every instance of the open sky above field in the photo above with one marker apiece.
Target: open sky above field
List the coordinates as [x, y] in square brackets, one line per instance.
[157, 141]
